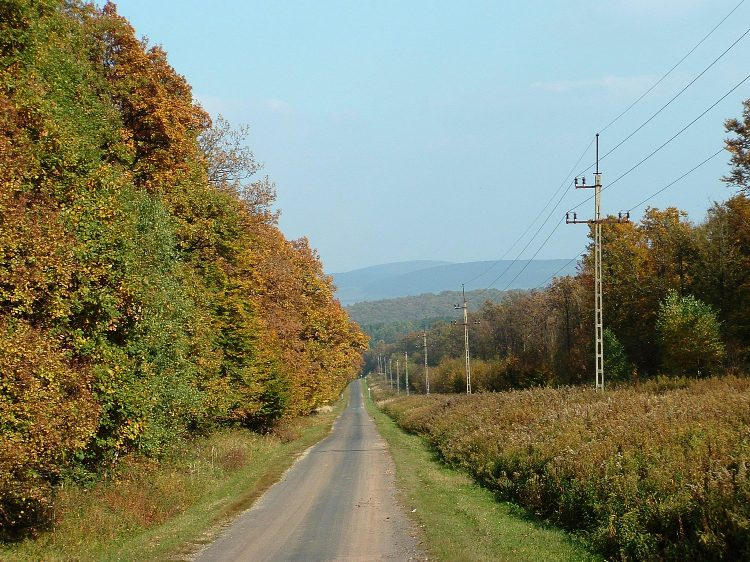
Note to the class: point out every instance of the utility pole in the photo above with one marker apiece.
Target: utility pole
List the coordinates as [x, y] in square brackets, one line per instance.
[597, 222]
[426, 372]
[398, 379]
[466, 337]
[406, 368]
[390, 369]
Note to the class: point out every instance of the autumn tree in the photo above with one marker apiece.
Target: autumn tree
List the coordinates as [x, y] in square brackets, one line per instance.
[231, 166]
[145, 290]
[724, 278]
[689, 336]
[739, 147]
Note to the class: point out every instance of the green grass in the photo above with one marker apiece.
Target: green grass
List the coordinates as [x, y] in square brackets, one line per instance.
[462, 521]
[165, 511]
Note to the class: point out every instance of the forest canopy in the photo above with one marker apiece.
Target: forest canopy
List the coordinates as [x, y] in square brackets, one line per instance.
[146, 291]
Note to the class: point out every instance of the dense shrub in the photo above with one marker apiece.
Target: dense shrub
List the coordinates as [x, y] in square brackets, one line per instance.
[47, 415]
[689, 335]
[645, 475]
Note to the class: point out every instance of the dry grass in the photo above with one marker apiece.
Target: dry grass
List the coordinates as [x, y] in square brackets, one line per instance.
[645, 474]
[462, 521]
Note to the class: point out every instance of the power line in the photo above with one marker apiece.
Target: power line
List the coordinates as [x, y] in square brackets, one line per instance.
[664, 76]
[531, 224]
[562, 184]
[673, 137]
[670, 184]
[496, 279]
[678, 94]
[539, 229]
[544, 243]
[556, 273]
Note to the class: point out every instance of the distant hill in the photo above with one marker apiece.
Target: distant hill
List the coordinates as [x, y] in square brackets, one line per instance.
[419, 308]
[419, 277]
[360, 284]
[391, 319]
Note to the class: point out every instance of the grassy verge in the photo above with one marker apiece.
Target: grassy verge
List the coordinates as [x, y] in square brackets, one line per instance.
[461, 520]
[164, 511]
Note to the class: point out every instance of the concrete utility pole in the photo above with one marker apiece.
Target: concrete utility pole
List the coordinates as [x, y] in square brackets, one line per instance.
[406, 369]
[597, 222]
[426, 372]
[398, 379]
[466, 337]
[390, 369]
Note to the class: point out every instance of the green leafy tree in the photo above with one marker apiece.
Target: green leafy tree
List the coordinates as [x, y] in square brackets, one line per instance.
[689, 336]
[616, 365]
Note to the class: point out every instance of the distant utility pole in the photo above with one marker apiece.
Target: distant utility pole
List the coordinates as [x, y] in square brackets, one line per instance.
[406, 369]
[398, 379]
[597, 222]
[426, 372]
[466, 337]
[390, 368]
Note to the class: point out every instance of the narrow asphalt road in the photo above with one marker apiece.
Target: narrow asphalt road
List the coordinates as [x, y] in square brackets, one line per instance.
[336, 503]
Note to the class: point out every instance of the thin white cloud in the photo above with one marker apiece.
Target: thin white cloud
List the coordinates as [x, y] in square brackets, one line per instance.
[653, 8]
[613, 84]
[276, 105]
[228, 106]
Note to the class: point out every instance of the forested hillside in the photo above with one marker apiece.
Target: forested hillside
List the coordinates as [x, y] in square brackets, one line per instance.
[676, 302]
[388, 320]
[146, 291]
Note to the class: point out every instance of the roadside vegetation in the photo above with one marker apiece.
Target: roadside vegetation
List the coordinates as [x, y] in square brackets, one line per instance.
[651, 472]
[462, 521]
[147, 295]
[147, 510]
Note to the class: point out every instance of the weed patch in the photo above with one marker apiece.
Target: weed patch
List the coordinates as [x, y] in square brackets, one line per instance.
[643, 475]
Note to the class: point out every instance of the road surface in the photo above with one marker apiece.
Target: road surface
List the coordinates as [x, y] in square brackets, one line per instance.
[336, 503]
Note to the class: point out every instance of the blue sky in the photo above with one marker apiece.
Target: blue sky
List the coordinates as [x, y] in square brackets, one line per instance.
[400, 130]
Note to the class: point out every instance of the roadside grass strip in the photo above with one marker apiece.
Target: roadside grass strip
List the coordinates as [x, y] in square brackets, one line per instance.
[148, 510]
[461, 520]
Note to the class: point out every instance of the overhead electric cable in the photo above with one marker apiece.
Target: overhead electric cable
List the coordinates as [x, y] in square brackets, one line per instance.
[678, 63]
[531, 224]
[678, 94]
[556, 273]
[496, 279]
[670, 184]
[663, 77]
[673, 137]
[539, 249]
